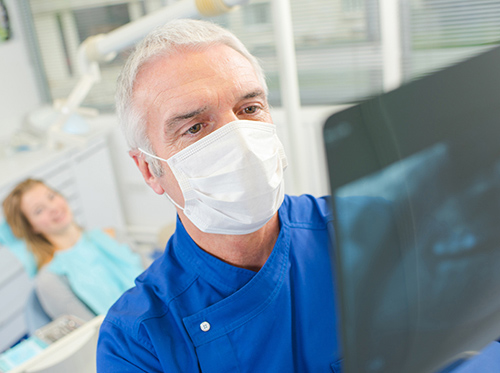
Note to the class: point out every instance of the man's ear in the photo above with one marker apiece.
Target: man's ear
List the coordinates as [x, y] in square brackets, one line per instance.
[146, 172]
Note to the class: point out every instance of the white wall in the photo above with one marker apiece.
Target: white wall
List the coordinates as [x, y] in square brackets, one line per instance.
[314, 179]
[18, 90]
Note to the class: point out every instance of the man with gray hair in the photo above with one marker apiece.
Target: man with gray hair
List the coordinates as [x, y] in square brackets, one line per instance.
[245, 283]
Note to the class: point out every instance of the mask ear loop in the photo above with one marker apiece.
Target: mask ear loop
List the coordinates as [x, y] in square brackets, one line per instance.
[151, 155]
[164, 160]
[175, 203]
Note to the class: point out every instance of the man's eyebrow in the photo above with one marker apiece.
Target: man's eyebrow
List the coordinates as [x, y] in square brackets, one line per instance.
[254, 94]
[181, 117]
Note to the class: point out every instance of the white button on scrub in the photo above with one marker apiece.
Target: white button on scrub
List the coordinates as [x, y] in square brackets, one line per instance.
[205, 326]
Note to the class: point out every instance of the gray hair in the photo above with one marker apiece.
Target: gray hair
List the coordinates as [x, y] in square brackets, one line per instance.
[167, 40]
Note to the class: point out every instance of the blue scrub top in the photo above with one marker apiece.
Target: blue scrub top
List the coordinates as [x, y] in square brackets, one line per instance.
[191, 312]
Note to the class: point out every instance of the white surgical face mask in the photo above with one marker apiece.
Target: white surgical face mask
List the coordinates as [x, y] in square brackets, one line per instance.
[232, 179]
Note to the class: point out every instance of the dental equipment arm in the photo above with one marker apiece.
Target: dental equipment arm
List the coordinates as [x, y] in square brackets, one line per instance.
[104, 47]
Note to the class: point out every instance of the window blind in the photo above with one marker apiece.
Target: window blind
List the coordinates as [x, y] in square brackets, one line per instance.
[439, 33]
[338, 42]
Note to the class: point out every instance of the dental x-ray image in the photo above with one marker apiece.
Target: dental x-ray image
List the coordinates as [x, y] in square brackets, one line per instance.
[415, 175]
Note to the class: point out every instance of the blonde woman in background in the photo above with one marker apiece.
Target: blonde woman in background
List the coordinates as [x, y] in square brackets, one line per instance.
[81, 273]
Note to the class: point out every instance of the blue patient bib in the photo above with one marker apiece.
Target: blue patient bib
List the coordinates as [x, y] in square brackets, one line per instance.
[98, 268]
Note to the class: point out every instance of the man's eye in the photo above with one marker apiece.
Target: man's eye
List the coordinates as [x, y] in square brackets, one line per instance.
[195, 129]
[250, 109]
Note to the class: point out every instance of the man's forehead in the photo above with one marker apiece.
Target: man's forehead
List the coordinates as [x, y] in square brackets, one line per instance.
[182, 63]
[178, 81]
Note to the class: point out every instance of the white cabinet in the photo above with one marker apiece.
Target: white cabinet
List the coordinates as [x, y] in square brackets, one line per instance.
[15, 287]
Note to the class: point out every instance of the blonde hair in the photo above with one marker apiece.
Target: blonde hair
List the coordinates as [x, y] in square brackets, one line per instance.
[37, 243]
